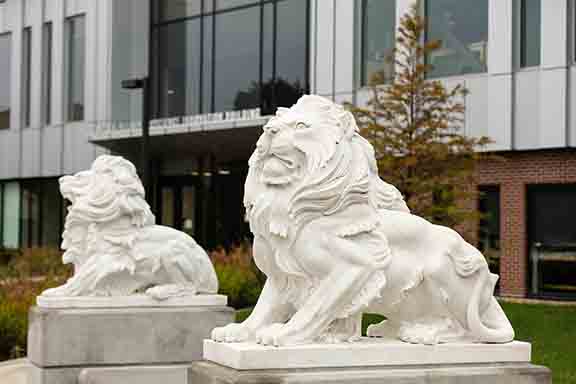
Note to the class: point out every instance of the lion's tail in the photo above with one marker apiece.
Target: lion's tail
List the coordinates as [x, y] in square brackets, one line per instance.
[499, 329]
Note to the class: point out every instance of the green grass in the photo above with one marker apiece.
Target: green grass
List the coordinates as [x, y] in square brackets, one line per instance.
[550, 329]
[552, 332]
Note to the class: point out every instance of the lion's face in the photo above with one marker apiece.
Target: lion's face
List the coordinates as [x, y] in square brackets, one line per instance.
[300, 140]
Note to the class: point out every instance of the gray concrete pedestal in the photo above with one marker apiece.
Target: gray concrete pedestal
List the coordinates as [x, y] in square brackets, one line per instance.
[204, 372]
[65, 345]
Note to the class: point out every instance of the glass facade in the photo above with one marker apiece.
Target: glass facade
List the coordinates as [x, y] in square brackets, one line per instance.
[230, 55]
[26, 75]
[489, 229]
[378, 39]
[462, 28]
[10, 215]
[5, 79]
[76, 63]
[530, 22]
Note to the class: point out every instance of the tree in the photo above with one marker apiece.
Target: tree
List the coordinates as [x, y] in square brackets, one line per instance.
[414, 124]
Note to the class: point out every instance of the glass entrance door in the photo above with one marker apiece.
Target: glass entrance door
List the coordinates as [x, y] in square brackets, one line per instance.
[178, 204]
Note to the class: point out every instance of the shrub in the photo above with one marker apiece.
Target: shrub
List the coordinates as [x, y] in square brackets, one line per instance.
[238, 276]
[26, 275]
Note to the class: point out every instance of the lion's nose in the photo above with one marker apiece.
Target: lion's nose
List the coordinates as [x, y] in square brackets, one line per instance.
[261, 145]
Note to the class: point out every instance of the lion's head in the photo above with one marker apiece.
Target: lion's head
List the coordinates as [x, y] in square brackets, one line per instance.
[314, 150]
[110, 191]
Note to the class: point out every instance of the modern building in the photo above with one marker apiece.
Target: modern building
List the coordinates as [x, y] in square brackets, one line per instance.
[220, 67]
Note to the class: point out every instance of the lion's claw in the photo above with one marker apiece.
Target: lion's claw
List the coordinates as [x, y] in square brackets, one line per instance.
[232, 333]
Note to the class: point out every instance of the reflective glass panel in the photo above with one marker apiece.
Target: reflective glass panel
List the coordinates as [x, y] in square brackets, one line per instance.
[76, 67]
[462, 28]
[179, 72]
[378, 36]
[530, 33]
[291, 47]
[237, 59]
[47, 72]
[26, 59]
[5, 80]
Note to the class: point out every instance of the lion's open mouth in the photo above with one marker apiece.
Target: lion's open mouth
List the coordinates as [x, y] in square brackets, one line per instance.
[278, 169]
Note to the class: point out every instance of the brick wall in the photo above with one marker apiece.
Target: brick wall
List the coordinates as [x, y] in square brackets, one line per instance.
[513, 171]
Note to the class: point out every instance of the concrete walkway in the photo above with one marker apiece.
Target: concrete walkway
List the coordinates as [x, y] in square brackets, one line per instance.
[15, 372]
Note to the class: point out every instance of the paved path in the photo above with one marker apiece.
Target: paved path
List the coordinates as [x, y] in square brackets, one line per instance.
[15, 372]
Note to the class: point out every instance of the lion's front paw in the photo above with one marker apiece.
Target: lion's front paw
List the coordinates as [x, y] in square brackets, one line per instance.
[231, 333]
[279, 334]
[60, 291]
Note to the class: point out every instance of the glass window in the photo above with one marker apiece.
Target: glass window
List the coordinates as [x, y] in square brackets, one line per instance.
[179, 74]
[207, 64]
[237, 59]
[552, 239]
[489, 229]
[11, 215]
[76, 63]
[462, 28]
[26, 80]
[5, 79]
[47, 73]
[530, 33]
[223, 4]
[30, 218]
[378, 39]
[176, 9]
[291, 45]
[51, 220]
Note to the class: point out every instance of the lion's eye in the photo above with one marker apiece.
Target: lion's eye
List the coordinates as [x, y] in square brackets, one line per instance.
[301, 125]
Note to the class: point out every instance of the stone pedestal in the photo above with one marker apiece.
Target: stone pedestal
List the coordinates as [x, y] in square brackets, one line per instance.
[67, 344]
[371, 361]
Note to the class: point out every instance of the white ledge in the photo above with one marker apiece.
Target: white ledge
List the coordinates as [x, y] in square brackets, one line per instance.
[366, 353]
[130, 301]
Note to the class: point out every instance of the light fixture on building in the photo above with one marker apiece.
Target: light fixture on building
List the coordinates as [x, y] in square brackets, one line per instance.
[223, 172]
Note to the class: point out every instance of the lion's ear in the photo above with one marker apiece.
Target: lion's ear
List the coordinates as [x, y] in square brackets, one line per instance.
[281, 111]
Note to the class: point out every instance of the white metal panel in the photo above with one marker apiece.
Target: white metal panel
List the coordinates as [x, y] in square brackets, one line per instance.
[36, 72]
[15, 84]
[313, 39]
[31, 146]
[324, 55]
[552, 128]
[78, 152]
[553, 30]
[57, 62]
[477, 104]
[9, 154]
[527, 113]
[92, 51]
[500, 28]
[28, 10]
[51, 151]
[344, 47]
[572, 109]
[499, 112]
[76, 7]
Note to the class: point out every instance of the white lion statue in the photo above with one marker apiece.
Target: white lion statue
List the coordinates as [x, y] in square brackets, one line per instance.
[115, 247]
[335, 241]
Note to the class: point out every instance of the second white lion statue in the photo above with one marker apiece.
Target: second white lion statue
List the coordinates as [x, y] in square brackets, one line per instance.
[335, 241]
[115, 247]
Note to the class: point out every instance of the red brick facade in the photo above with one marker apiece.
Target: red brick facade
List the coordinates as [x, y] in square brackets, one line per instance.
[513, 172]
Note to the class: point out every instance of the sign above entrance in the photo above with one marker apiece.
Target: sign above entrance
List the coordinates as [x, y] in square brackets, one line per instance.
[107, 130]
[244, 114]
